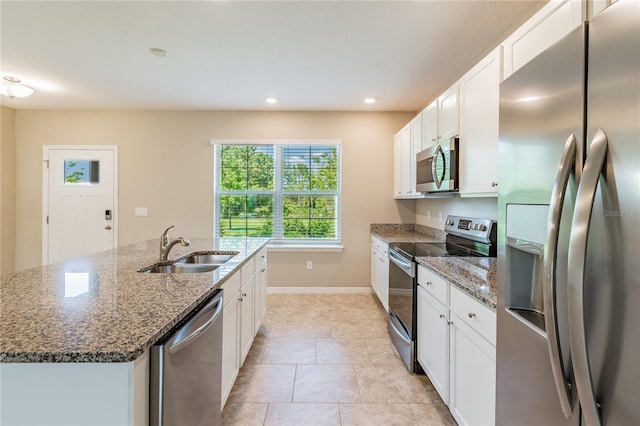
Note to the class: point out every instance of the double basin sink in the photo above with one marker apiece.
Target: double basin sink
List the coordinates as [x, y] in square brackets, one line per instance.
[199, 261]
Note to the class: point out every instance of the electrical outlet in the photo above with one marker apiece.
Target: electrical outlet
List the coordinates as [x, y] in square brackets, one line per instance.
[309, 264]
[440, 216]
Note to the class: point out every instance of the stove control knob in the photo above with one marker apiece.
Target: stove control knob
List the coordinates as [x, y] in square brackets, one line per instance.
[483, 228]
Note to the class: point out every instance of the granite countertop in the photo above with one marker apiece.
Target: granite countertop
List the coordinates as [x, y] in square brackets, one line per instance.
[475, 275]
[98, 308]
[407, 233]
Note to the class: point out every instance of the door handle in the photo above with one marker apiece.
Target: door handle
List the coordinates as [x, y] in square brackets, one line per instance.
[108, 227]
[214, 305]
[563, 173]
[576, 280]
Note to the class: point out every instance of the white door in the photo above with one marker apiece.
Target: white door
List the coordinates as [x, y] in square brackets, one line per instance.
[79, 201]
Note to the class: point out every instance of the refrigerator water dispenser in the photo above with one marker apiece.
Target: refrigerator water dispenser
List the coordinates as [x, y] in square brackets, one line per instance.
[526, 232]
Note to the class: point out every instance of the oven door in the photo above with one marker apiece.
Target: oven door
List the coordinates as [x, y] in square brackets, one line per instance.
[401, 322]
[437, 167]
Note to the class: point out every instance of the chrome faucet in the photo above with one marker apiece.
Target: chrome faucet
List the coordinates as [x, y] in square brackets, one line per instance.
[166, 246]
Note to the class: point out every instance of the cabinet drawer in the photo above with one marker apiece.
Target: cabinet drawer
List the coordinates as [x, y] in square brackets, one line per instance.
[261, 258]
[231, 287]
[379, 245]
[434, 284]
[474, 313]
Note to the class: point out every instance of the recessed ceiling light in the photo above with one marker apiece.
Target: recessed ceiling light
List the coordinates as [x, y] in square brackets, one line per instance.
[370, 100]
[13, 88]
[271, 100]
[160, 53]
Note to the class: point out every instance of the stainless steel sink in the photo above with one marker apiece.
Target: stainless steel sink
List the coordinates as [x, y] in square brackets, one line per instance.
[206, 258]
[180, 268]
[196, 262]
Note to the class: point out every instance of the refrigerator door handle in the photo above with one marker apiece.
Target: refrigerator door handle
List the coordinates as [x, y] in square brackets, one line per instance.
[563, 173]
[576, 279]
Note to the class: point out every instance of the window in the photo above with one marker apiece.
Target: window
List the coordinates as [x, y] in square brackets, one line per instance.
[290, 192]
[81, 172]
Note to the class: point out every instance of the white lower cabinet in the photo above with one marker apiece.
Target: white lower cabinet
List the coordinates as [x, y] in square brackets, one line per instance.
[260, 288]
[380, 270]
[244, 308]
[456, 348]
[230, 334]
[472, 382]
[433, 341]
[247, 323]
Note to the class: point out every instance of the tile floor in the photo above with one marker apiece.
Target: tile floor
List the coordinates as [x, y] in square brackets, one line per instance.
[327, 360]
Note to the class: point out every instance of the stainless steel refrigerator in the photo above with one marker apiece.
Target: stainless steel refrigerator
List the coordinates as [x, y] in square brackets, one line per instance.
[568, 347]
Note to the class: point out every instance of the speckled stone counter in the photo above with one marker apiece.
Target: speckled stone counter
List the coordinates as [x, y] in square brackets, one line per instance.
[406, 233]
[474, 275]
[98, 308]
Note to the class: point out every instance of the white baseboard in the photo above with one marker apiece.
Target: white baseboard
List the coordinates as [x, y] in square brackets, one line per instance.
[319, 290]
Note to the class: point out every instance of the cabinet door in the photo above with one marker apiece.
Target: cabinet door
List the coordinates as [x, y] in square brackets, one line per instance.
[260, 302]
[247, 331]
[472, 376]
[550, 24]
[430, 125]
[264, 274]
[397, 165]
[405, 161]
[416, 146]
[449, 124]
[383, 277]
[433, 341]
[479, 115]
[374, 266]
[230, 343]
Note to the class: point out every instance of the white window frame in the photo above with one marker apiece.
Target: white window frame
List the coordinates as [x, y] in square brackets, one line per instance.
[285, 244]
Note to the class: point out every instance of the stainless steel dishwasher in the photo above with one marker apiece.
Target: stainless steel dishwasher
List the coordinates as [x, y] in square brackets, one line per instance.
[186, 369]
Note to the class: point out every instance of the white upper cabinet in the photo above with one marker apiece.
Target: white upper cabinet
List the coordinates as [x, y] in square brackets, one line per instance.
[479, 114]
[405, 168]
[407, 143]
[448, 113]
[397, 165]
[430, 125]
[550, 24]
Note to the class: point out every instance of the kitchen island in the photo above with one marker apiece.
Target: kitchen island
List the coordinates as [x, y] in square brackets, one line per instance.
[74, 335]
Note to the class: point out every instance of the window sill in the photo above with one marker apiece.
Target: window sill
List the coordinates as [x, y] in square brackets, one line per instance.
[286, 246]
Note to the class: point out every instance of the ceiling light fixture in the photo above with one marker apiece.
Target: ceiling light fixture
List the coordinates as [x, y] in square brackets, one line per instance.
[11, 87]
[370, 100]
[160, 53]
[271, 100]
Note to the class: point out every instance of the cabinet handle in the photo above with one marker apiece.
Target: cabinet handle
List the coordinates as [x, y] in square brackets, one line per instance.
[494, 184]
[240, 299]
[434, 139]
[428, 282]
[471, 315]
[263, 269]
[442, 316]
[450, 322]
[245, 295]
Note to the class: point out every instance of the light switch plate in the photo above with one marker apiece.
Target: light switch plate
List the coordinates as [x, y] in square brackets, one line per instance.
[141, 211]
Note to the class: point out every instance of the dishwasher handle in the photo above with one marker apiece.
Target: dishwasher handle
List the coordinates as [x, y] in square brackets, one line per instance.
[183, 341]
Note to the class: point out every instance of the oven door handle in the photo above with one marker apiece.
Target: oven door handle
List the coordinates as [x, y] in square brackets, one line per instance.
[398, 328]
[401, 262]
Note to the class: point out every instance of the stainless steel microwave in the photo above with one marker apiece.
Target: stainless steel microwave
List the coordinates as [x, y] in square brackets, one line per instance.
[437, 167]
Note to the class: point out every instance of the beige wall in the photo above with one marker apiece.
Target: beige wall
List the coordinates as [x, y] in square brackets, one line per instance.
[7, 190]
[165, 164]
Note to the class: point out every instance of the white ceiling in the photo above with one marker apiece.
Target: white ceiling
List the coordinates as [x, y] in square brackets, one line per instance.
[229, 55]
